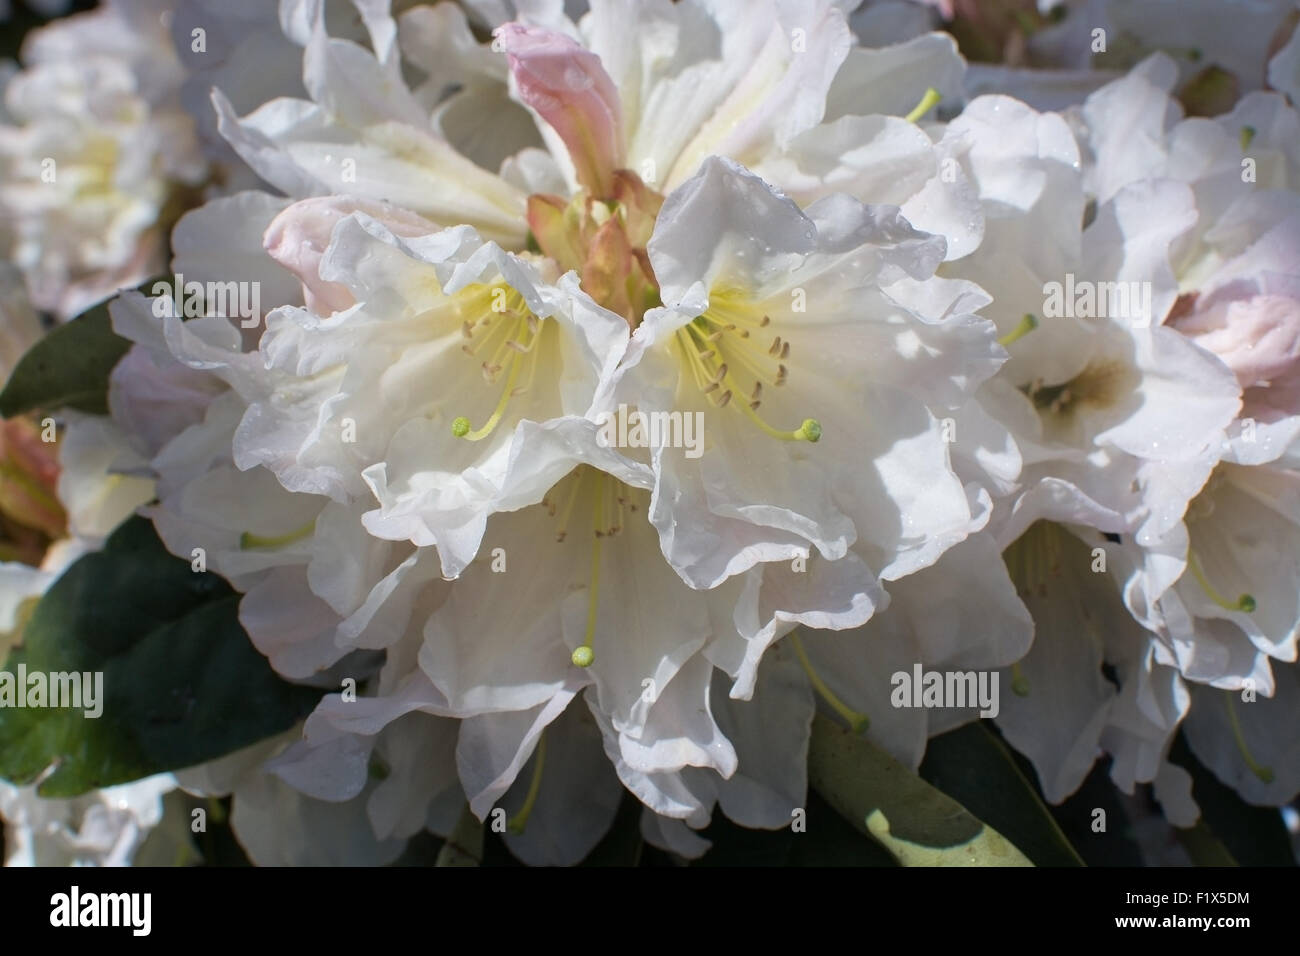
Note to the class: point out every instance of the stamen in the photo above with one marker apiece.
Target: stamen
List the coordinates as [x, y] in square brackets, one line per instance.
[1027, 325]
[696, 339]
[928, 102]
[1245, 602]
[857, 721]
[461, 427]
[248, 540]
[1265, 774]
[520, 820]
[568, 505]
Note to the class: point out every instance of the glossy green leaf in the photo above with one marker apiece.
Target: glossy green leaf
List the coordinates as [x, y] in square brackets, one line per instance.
[918, 824]
[181, 683]
[68, 368]
[973, 766]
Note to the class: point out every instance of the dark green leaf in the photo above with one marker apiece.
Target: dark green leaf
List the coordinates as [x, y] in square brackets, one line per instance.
[68, 368]
[971, 765]
[1116, 845]
[421, 850]
[182, 684]
[622, 845]
[1204, 847]
[829, 840]
[918, 824]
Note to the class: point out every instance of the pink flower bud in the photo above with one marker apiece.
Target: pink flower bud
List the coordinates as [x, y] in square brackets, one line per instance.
[569, 88]
[1258, 337]
[299, 236]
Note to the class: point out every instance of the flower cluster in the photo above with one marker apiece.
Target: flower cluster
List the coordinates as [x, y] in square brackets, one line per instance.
[620, 391]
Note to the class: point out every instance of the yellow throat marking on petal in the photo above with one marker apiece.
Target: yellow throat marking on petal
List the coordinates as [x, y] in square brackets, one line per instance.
[1102, 384]
[1036, 557]
[726, 339]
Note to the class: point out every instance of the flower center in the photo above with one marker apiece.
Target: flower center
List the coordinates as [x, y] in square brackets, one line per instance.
[505, 334]
[1099, 385]
[724, 350]
[604, 241]
[607, 501]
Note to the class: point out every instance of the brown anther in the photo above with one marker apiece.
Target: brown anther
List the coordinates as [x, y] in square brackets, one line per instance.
[775, 348]
[726, 397]
[767, 320]
[780, 374]
[785, 350]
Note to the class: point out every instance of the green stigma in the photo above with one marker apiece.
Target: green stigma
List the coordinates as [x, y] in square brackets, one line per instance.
[1027, 325]
[583, 656]
[460, 427]
[1245, 603]
[810, 430]
[1247, 137]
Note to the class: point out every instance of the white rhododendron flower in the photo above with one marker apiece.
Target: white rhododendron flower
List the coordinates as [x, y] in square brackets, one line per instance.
[103, 828]
[637, 406]
[437, 400]
[94, 149]
[1201, 533]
